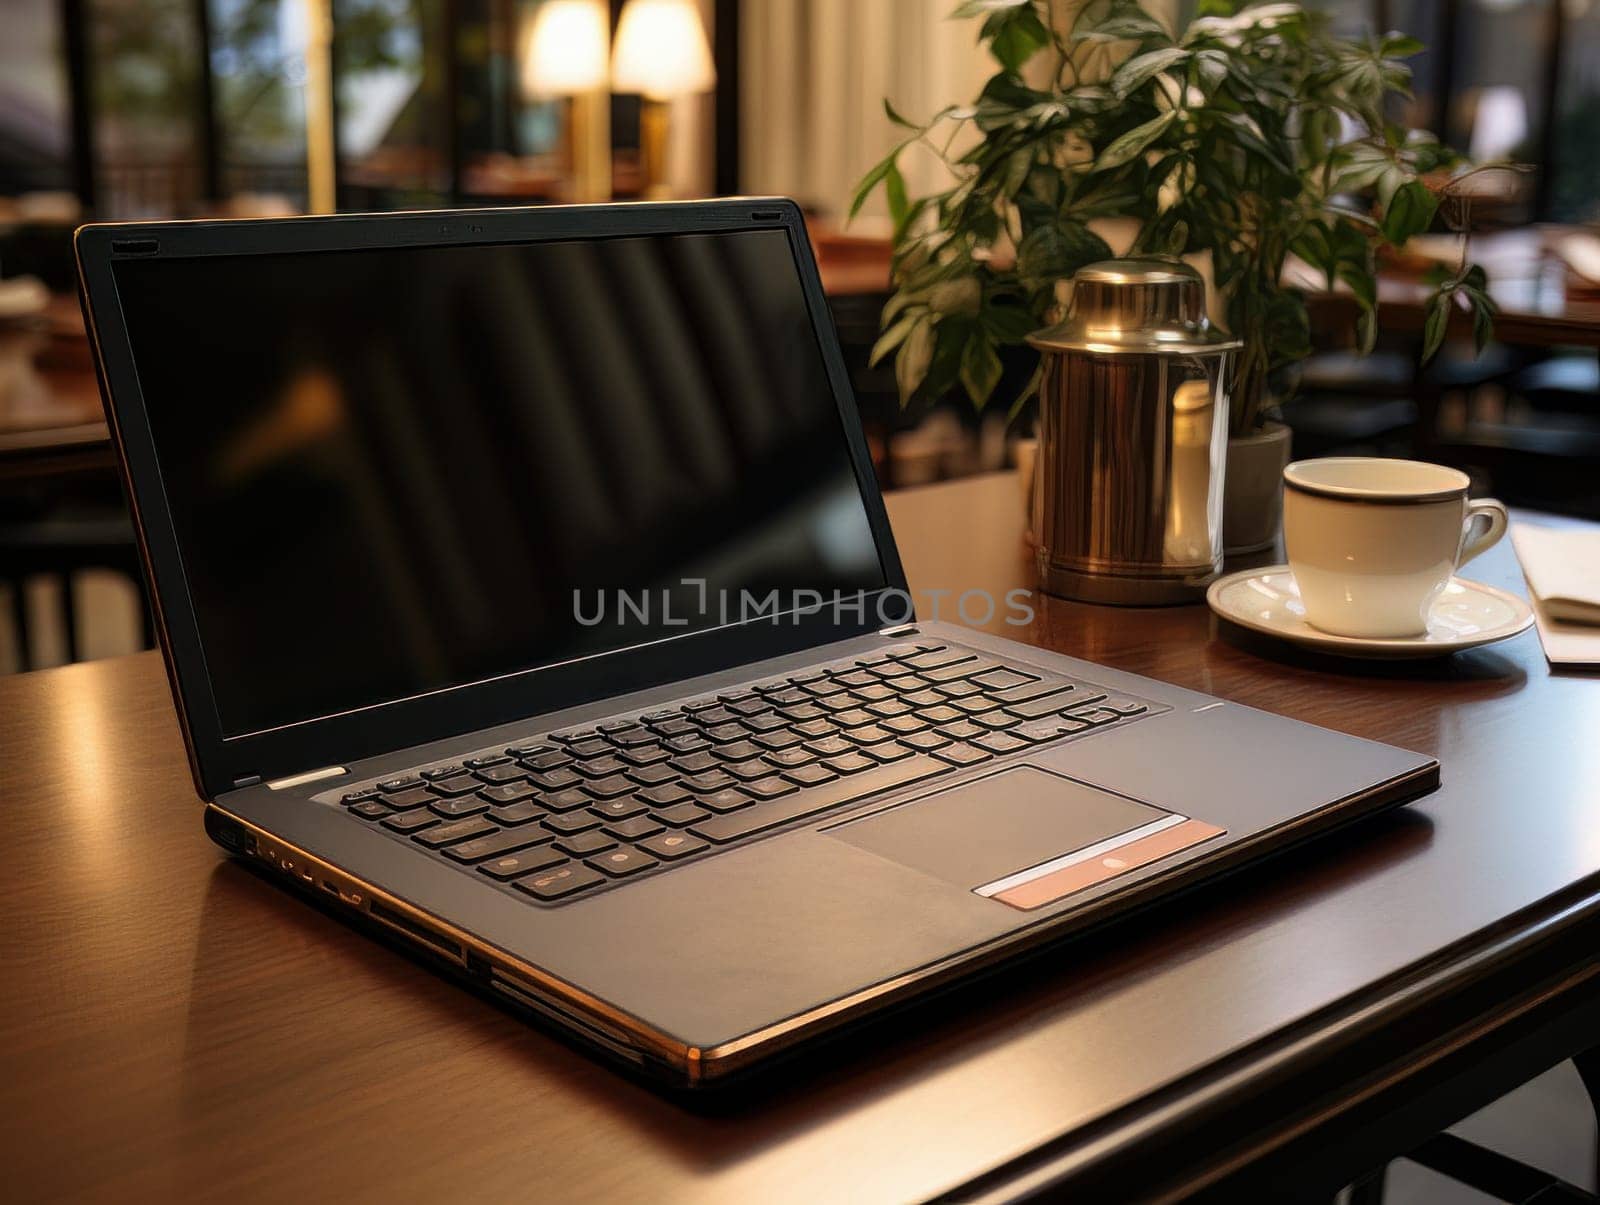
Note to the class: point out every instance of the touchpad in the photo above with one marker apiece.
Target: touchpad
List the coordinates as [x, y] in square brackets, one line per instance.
[984, 831]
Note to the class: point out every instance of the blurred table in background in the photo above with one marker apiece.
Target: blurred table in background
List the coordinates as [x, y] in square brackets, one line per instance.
[51, 420]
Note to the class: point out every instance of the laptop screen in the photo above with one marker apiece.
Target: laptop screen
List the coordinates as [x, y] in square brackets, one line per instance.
[394, 471]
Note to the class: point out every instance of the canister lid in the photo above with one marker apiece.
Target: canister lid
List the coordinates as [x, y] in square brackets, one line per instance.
[1136, 305]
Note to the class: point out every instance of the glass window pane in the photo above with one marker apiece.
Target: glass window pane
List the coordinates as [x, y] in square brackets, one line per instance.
[144, 68]
[1575, 179]
[258, 74]
[390, 68]
[35, 128]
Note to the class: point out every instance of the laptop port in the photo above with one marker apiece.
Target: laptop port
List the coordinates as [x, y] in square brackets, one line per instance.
[405, 924]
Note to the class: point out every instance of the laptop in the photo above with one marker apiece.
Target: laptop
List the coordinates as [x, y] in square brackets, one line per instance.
[525, 591]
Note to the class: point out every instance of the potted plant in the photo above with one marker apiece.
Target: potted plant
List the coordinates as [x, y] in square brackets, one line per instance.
[1252, 134]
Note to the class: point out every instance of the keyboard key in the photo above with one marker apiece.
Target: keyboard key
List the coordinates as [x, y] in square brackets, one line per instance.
[850, 763]
[689, 742]
[509, 771]
[601, 767]
[607, 788]
[484, 763]
[1003, 679]
[697, 763]
[438, 772]
[778, 740]
[633, 737]
[634, 829]
[452, 809]
[411, 822]
[644, 755]
[572, 822]
[619, 809]
[925, 740]
[589, 748]
[680, 815]
[856, 678]
[711, 780]
[962, 755]
[962, 730]
[799, 756]
[745, 771]
[771, 721]
[889, 751]
[924, 698]
[404, 801]
[649, 776]
[958, 690]
[855, 717]
[551, 759]
[724, 733]
[481, 849]
[809, 776]
[560, 882]
[939, 658]
[967, 668]
[729, 800]
[555, 780]
[530, 750]
[585, 843]
[905, 723]
[1031, 690]
[526, 862]
[1032, 709]
[370, 809]
[888, 707]
[1097, 716]
[360, 796]
[518, 813]
[1125, 706]
[999, 742]
[739, 751]
[621, 862]
[876, 692]
[824, 688]
[942, 714]
[672, 846]
[667, 793]
[714, 717]
[804, 711]
[722, 829]
[509, 792]
[393, 786]
[677, 726]
[1048, 729]
[830, 746]
[454, 830]
[565, 801]
[995, 719]
[746, 705]
[870, 735]
[811, 729]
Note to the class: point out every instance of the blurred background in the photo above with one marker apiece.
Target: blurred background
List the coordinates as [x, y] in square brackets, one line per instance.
[129, 109]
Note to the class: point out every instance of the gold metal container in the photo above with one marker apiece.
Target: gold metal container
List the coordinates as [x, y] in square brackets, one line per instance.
[1133, 437]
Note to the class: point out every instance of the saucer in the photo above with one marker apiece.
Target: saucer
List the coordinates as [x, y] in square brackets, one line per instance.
[1464, 616]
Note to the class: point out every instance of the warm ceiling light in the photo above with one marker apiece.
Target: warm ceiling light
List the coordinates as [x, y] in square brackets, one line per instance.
[662, 50]
[567, 49]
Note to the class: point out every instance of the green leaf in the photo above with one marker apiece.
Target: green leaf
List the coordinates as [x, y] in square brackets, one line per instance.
[1132, 144]
[894, 189]
[1409, 212]
[1367, 330]
[1015, 37]
[1009, 324]
[1141, 68]
[980, 369]
[977, 8]
[1400, 46]
[1054, 252]
[911, 363]
[1434, 329]
[892, 338]
[1028, 390]
[894, 115]
[1017, 169]
[873, 178]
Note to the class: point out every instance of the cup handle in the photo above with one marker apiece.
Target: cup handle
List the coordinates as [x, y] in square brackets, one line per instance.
[1486, 523]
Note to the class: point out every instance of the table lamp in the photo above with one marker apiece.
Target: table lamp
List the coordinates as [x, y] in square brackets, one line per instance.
[566, 57]
[661, 53]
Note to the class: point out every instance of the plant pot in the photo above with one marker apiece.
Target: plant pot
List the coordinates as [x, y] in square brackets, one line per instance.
[1252, 491]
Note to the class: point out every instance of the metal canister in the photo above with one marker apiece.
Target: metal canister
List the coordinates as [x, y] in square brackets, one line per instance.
[1133, 436]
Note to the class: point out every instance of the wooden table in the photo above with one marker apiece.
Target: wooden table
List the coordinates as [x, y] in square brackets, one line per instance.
[59, 426]
[175, 1025]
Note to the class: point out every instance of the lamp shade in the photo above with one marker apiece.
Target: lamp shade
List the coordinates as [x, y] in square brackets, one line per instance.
[567, 48]
[661, 50]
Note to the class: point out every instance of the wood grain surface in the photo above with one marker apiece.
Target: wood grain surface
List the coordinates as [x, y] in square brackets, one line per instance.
[172, 1024]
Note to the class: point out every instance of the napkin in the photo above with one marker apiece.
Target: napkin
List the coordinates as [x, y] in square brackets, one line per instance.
[1562, 567]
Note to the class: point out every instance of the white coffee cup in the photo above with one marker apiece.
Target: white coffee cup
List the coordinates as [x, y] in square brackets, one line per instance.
[1372, 542]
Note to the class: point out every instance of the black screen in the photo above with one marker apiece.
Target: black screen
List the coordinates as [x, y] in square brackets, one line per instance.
[396, 470]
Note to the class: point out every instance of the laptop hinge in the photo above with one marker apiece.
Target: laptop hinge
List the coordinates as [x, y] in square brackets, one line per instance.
[296, 780]
[903, 629]
[247, 780]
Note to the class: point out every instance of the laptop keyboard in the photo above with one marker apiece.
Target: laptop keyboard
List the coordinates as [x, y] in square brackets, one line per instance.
[567, 814]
